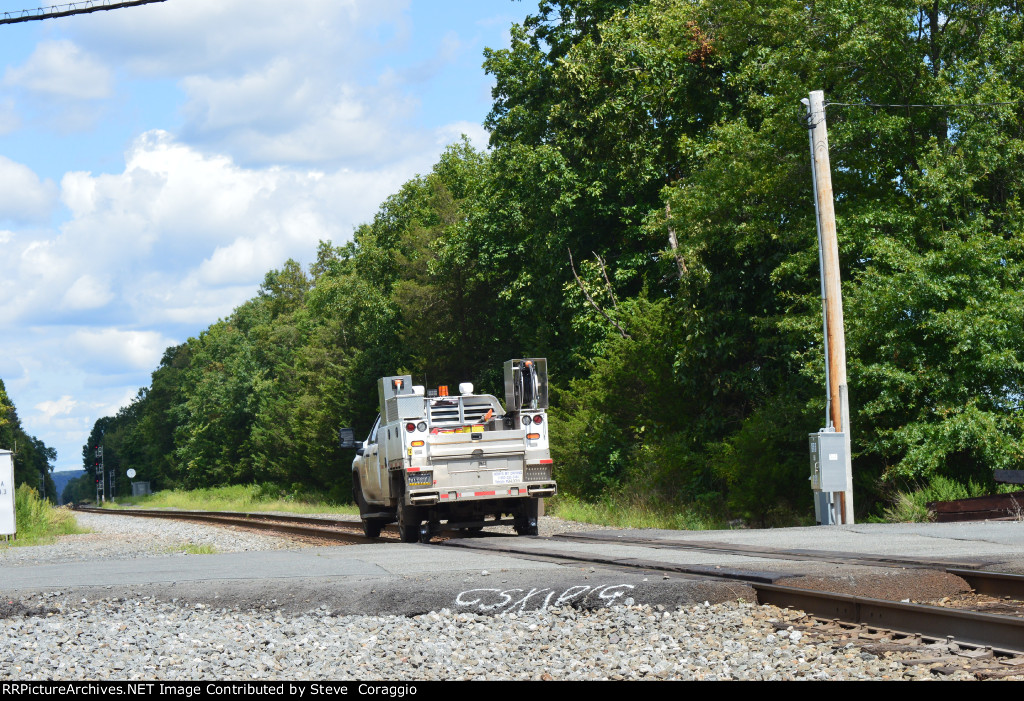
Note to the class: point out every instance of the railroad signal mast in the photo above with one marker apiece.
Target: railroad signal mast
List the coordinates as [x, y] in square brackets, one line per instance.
[100, 482]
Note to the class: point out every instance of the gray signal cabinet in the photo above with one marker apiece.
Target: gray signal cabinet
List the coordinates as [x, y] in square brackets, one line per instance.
[828, 461]
[8, 514]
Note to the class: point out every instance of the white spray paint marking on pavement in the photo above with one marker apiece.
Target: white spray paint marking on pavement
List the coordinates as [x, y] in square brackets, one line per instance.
[518, 600]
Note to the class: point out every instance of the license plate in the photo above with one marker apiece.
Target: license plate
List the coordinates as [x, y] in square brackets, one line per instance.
[507, 476]
[421, 479]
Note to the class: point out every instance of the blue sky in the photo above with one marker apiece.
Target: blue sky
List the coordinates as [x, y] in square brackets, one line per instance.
[157, 161]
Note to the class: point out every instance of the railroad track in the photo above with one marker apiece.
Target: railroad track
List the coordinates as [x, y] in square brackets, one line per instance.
[984, 635]
[306, 528]
[996, 584]
[991, 645]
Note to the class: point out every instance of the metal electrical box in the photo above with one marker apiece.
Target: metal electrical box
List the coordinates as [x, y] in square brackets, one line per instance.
[8, 520]
[828, 461]
[398, 399]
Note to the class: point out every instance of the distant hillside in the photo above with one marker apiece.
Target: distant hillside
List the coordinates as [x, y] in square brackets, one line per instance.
[61, 479]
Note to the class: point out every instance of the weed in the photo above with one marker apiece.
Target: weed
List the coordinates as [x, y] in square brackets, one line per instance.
[630, 511]
[912, 506]
[239, 497]
[38, 522]
[193, 549]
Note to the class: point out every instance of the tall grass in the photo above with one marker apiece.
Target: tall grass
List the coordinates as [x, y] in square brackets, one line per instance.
[239, 497]
[38, 522]
[911, 505]
[631, 512]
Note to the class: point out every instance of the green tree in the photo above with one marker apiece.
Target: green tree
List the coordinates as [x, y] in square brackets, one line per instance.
[698, 102]
[33, 459]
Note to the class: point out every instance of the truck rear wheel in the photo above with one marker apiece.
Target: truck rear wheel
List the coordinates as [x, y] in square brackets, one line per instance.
[526, 519]
[409, 518]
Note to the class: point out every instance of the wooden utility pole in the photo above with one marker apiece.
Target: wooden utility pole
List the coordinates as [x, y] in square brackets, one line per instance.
[828, 242]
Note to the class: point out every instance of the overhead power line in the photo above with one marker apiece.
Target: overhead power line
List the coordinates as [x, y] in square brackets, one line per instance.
[964, 104]
[71, 8]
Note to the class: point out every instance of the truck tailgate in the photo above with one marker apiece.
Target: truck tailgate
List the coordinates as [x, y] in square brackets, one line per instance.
[481, 472]
[486, 443]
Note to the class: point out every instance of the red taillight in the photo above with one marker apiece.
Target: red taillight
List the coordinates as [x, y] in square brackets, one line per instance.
[410, 427]
[538, 419]
[533, 436]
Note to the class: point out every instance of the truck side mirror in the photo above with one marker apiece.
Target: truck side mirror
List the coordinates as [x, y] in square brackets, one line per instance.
[347, 438]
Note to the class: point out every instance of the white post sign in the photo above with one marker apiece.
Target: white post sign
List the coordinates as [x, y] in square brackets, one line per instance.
[7, 519]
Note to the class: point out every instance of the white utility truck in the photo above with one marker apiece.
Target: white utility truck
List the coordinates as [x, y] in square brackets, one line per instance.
[458, 459]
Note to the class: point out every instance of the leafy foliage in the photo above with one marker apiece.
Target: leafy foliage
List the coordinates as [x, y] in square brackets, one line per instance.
[37, 520]
[33, 459]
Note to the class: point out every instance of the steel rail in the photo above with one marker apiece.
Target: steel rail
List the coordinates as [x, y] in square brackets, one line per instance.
[838, 557]
[1001, 584]
[982, 581]
[328, 529]
[1001, 633]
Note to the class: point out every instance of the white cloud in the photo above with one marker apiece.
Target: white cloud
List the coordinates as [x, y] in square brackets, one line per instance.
[326, 85]
[240, 262]
[299, 122]
[51, 409]
[62, 69]
[115, 351]
[23, 196]
[478, 136]
[87, 292]
[225, 37]
[179, 235]
[110, 408]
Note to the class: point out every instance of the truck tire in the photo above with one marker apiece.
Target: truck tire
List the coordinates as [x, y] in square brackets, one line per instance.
[371, 526]
[527, 513]
[409, 518]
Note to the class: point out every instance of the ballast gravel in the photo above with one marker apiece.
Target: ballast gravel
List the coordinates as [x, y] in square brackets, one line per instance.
[127, 537]
[144, 639]
[54, 636]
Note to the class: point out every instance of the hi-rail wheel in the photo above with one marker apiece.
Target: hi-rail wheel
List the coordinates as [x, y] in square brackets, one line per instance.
[526, 519]
[427, 530]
